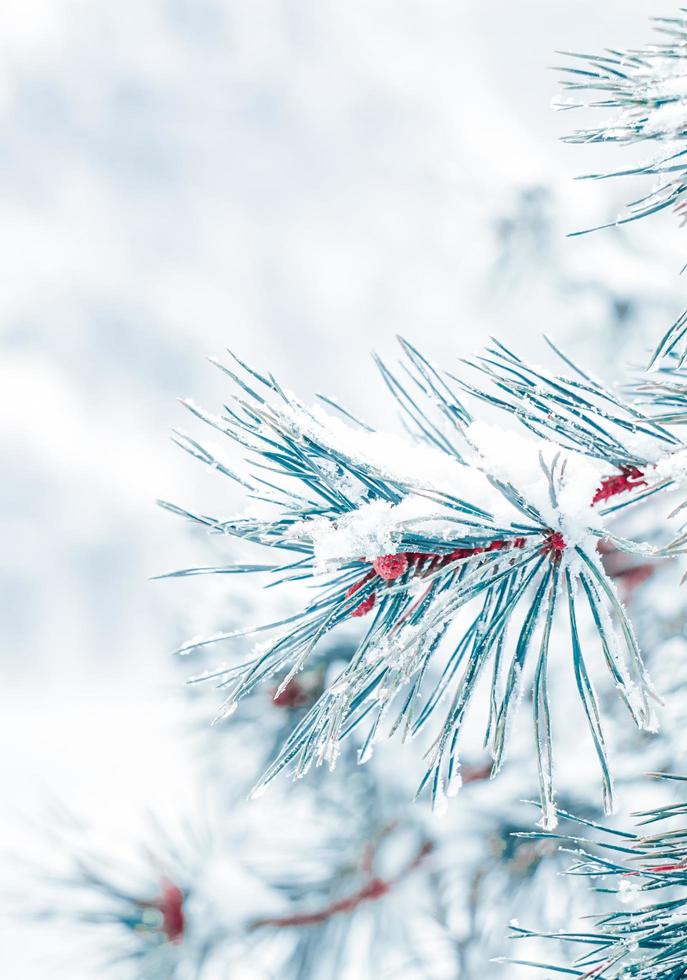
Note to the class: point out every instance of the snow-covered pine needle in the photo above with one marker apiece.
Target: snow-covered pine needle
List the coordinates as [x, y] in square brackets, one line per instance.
[404, 534]
[643, 96]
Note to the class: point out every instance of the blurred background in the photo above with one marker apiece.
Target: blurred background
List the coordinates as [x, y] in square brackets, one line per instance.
[300, 181]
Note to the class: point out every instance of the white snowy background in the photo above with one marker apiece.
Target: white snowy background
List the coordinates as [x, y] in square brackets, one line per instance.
[299, 180]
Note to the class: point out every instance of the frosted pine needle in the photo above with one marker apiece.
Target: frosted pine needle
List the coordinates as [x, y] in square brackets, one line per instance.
[645, 873]
[643, 97]
[404, 534]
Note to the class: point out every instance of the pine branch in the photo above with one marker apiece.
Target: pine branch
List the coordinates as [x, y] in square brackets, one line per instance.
[216, 892]
[645, 92]
[409, 534]
[648, 939]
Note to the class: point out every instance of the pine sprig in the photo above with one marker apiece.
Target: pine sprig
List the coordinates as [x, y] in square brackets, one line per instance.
[646, 92]
[143, 910]
[408, 534]
[223, 894]
[648, 938]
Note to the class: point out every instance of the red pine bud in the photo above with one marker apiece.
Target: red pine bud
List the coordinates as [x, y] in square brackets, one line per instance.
[390, 567]
[171, 906]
